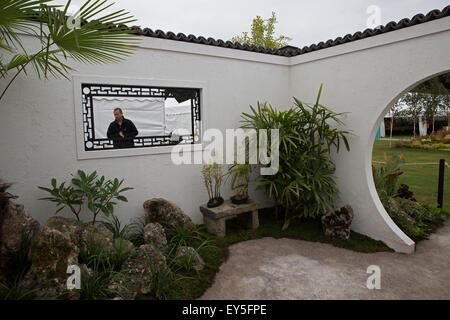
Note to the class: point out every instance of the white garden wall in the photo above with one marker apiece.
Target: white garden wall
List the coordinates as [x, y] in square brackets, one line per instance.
[39, 134]
[363, 78]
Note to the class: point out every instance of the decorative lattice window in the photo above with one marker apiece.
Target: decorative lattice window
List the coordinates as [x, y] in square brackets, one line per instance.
[163, 116]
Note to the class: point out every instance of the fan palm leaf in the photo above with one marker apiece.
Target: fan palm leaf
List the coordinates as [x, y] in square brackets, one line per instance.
[90, 36]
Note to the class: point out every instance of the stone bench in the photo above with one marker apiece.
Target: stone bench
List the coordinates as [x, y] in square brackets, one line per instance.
[214, 218]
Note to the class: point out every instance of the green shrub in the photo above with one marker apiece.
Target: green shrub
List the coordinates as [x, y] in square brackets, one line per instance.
[97, 193]
[416, 144]
[96, 283]
[136, 232]
[114, 225]
[93, 250]
[416, 220]
[304, 184]
[386, 177]
[162, 282]
[439, 146]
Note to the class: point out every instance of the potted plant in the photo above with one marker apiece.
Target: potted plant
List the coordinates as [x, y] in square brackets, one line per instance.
[213, 177]
[239, 182]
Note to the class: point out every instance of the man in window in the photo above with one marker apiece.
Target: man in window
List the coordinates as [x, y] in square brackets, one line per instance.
[122, 131]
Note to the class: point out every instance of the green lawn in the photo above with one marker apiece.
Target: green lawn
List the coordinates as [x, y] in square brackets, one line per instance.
[422, 179]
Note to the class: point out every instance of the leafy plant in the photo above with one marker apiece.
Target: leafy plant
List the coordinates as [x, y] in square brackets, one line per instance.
[91, 250]
[16, 266]
[119, 253]
[114, 225]
[304, 183]
[94, 37]
[19, 289]
[136, 233]
[386, 177]
[187, 260]
[240, 180]
[416, 220]
[262, 34]
[162, 281]
[96, 283]
[97, 193]
[213, 178]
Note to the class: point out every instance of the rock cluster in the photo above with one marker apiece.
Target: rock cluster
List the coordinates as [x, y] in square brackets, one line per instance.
[337, 223]
[61, 242]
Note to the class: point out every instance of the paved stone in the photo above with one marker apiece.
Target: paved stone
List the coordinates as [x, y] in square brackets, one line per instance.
[293, 269]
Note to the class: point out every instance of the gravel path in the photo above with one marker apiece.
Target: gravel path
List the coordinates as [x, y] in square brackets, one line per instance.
[271, 268]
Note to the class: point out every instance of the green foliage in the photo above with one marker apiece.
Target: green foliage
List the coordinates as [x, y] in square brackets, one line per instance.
[386, 177]
[304, 183]
[240, 178]
[17, 265]
[415, 219]
[114, 225]
[262, 34]
[19, 289]
[96, 283]
[92, 250]
[162, 282]
[213, 178]
[136, 233]
[184, 236]
[92, 41]
[18, 262]
[97, 193]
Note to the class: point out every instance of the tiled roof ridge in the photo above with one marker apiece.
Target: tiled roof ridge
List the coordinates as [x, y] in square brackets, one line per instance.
[290, 51]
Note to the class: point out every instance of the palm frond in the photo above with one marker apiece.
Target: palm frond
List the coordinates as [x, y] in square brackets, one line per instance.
[16, 18]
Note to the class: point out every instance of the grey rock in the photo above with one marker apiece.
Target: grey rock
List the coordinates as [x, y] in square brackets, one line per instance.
[51, 252]
[68, 226]
[17, 222]
[154, 233]
[190, 253]
[166, 213]
[138, 271]
[82, 234]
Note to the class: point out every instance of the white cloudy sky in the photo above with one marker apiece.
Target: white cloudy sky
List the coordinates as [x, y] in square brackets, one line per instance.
[306, 22]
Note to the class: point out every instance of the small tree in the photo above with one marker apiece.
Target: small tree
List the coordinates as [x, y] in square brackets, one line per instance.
[97, 193]
[414, 100]
[395, 112]
[434, 91]
[262, 34]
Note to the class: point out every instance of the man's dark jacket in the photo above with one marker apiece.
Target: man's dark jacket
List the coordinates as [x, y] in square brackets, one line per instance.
[129, 131]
